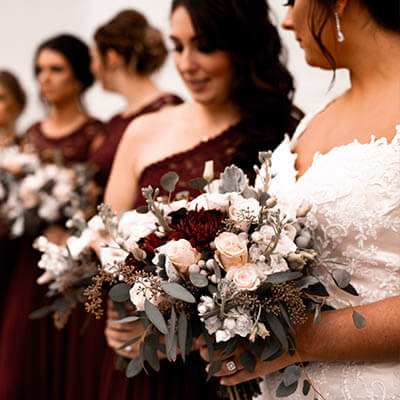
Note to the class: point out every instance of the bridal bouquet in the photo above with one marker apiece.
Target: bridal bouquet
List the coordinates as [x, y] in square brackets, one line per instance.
[33, 194]
[230, 264]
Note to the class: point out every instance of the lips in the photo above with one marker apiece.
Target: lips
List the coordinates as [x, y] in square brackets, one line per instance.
[197, 85]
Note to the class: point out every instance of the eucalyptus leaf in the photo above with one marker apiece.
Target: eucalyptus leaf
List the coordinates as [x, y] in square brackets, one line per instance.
[178, 291]
[171, 332]
[317, 314]
[231, 346]
[182, 334]
[256, 348]
[161, 260]
[286, 316]
[214, 368]
[306, 387]
[169, 180]
[285, 276]
[209, 343]
[350, 289]
[40, 313]
[60, 305]
[155, 317]
[318, 290]
[248, 361]
[150, 355]
[189, 339]
[278, 329]
[217, 270]
[285, 391]
[134, 367]
[359, 320]
[305, 282]
[198, 183]
[291, 374]
[142, 209]
[341, 277]
[198, 280]
[120, 292]
[130, 342]
[126, 320]
[272, 347]
[212, 289]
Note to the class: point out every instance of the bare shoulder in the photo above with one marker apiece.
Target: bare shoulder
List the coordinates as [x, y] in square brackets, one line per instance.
[146, 125]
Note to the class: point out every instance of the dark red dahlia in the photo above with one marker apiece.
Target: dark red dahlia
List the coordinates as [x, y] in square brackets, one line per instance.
[136, 265]
[198, 227]
[151, 242]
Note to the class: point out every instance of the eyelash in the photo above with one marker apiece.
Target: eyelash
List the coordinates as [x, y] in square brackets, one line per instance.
[289, 3]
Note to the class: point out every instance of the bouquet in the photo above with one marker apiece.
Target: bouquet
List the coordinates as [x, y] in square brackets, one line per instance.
[230, 264]
[34, 194]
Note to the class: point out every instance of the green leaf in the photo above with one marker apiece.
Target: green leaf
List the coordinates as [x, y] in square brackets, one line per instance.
[285, 391]
[341, 277]
[198, 280]
[182, 334]
[120, 292]
[217, 270]
[214, 368]
[286, 316]
[40, 313]
[270, 349]
[142, 209]
[169, 180]
[134, 367]
[130, 342]
[350, 289]
[155, 317]
[317, 314]
[306, 387]
[291, 374]
[359, 320]
[285, 276]
[150, 352]
[305, 282]
[178, 291]
[198, 183]
[209, 343]
[60, 305]
[231, 346]
[248, 361]
[171, 333]
[278, 329]
[126, 320]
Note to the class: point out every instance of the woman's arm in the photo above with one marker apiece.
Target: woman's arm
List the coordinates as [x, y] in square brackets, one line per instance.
[335, 338]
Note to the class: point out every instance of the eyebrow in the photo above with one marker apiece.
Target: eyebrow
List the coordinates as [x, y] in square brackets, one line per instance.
[193, 39]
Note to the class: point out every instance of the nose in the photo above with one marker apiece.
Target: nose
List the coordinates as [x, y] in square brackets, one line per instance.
[287, 22]
[186, 61]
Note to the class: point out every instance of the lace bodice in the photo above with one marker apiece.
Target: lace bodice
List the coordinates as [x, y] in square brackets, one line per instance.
[355, 218]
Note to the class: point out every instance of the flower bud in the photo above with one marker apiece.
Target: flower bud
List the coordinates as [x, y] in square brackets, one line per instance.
[296, 261]
[208, 173]
[303, 209]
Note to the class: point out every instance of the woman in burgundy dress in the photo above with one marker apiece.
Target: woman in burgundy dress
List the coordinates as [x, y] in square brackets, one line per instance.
[228, 54]
[12, 103]
[32, 351]
[126, 52]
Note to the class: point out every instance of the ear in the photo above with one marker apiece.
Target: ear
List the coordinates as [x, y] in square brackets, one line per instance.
[113, 59]
[341, 6]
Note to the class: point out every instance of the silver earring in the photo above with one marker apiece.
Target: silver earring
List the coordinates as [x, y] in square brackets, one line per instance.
[340, 36]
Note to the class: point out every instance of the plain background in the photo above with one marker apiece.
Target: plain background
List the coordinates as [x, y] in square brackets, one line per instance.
[26, 23]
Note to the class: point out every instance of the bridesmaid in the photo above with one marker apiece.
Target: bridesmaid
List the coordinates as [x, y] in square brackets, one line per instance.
[32, 351]
[126, 52]
[241, 103]
[12, 104]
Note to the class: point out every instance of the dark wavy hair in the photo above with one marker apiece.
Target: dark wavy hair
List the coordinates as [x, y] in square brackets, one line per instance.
[262, 86]
[77, 54]
[130, 35]
[385, 13]
[14, 88]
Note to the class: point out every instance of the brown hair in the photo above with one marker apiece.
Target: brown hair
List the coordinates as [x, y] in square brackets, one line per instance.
[12, 85]
[130, 35]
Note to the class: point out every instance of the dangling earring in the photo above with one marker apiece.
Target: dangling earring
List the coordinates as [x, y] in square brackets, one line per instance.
[340, 36]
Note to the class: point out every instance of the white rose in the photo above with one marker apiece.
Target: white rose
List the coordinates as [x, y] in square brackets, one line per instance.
[243, 211]
[245, 277]
[285, 244]
[110, 256]
[231, 249]
[210, 201]
[135, 226]
[222, 336]
[139, 294]
[181, 254]
[212, 324]
[243, 325]
[276, 264]
[173, 206]
[96, 224]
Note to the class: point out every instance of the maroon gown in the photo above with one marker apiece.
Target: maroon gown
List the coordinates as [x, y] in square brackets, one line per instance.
[32, 352]
[177, 381]
[114, 129]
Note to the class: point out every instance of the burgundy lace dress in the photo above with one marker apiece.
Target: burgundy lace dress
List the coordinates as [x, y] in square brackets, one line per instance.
[114, 129]
[32, 353]
[178, 380]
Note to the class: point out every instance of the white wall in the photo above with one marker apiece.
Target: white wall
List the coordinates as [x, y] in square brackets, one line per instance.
[25, 23]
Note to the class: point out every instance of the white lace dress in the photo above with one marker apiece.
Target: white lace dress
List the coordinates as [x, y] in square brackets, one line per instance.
[355, 192]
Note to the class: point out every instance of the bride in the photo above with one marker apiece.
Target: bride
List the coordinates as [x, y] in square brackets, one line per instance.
[345, 159]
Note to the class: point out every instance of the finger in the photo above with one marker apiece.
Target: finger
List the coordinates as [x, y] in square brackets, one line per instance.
[229, 367]
[240, 376]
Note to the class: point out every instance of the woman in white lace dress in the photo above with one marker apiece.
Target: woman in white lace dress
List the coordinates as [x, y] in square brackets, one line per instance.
[345, 159]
